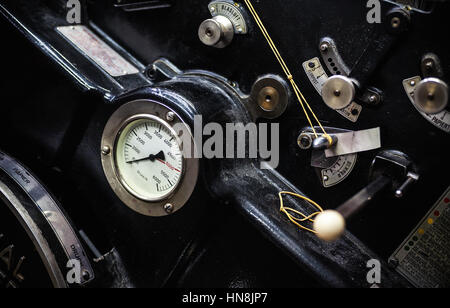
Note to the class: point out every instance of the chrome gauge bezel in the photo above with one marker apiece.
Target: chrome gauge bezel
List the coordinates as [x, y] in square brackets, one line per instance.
[155, 111]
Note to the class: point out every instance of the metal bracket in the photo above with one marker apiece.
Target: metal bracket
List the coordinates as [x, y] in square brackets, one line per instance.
[333, 170]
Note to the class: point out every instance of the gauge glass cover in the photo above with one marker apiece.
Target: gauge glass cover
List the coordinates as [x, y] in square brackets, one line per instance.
[149, 160]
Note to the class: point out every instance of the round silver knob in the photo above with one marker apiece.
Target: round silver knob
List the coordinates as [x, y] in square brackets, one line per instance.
[338, 92]
[217, 32]
[431, 95]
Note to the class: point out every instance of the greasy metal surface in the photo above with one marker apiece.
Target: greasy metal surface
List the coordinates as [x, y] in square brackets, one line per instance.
[172, 33]
[40, 27]
[337, 264]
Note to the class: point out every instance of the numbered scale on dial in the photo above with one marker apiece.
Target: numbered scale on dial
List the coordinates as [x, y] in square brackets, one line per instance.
[233, 11]
[149, 159]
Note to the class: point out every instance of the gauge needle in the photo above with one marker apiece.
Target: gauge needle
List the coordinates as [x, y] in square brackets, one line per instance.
[152, 157]
[169, 165]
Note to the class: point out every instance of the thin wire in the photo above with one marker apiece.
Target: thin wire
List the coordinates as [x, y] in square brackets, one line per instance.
[302, 100]
[298, 93]
[295, 220]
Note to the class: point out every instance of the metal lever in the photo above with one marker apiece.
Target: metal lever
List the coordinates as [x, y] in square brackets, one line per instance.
[322, 143]
[389, 169]
[355, 204]
[411, 179]
[340, 90]
[330, 224]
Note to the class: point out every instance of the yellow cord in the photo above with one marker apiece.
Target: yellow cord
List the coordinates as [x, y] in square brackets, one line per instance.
[296, 220]
[302, 100]
[286, 70]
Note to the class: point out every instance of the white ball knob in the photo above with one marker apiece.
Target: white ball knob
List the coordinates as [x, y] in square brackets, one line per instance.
[329, 225]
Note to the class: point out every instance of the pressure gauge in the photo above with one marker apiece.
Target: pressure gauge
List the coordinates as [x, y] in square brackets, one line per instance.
[144, 158]
[148, 158]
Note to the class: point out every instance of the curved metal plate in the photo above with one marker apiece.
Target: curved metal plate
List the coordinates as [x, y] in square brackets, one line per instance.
[440, 120]
[52, 213]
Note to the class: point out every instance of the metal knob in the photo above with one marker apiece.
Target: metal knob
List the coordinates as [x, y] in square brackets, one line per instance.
[338, 92]
[411, 178]
[322, 143]
[217, 32]
[431, 95]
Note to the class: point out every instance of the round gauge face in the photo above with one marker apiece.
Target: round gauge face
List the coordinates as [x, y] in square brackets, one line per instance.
[149, 161]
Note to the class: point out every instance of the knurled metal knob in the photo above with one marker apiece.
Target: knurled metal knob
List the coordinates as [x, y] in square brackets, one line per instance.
[217, 32]
[431, 95]
[338, 92]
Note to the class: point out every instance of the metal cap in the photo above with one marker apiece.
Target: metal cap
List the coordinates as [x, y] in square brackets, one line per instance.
[338, 92]
[217, 32]
[322, 143]
[431, 95]
[268, 98]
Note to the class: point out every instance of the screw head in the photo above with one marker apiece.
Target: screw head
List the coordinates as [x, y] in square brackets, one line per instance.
[373, 98]
[170, 116]
[304, 141]
[412, 83]
[168, 208]
[106, 150]
[324, 47]
[85, 274]
[151, 73]
[325, 178]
